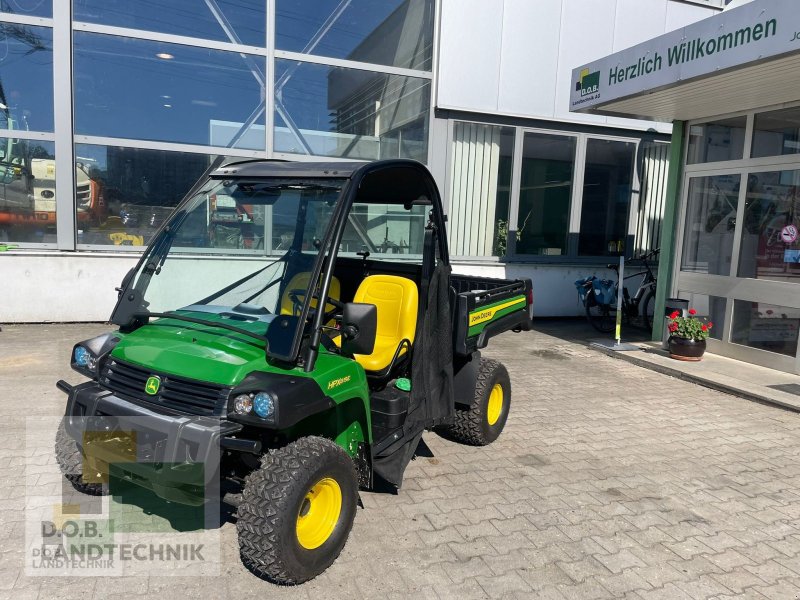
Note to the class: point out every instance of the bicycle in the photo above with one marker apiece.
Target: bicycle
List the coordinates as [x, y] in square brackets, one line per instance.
[599, 296]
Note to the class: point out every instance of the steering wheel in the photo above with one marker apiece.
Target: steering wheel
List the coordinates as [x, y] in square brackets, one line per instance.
[298, 298]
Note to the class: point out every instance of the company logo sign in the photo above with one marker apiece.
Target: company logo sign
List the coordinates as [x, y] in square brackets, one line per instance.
[152, 386]
[337, 382]
[588, 83]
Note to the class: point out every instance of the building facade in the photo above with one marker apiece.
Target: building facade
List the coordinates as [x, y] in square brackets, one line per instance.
[112, 108]
[732, 220]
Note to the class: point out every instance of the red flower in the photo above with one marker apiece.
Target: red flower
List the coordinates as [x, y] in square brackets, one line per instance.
[704, 328]
[673, 327]
[710, 324]
[692, 312]
[674, 315]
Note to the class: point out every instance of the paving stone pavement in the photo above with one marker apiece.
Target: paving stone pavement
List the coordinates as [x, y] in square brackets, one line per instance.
[609, 482]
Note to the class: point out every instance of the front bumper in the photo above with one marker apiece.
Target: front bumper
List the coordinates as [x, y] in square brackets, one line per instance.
[176, 457]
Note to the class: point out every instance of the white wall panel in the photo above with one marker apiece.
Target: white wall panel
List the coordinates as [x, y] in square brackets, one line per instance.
[587, 33]
[638, 21]
[61, 287]
[680, 14]
[469, 58]
[529, 60]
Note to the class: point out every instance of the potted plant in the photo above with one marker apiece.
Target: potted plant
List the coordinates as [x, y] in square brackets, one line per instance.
[687, 339]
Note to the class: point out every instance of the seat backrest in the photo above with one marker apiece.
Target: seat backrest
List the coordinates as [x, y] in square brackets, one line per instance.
[299, 284]
[397, 300]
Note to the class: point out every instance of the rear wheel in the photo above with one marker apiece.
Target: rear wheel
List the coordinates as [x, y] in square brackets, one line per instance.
[297, 511]
[484, 420]
[603, 317]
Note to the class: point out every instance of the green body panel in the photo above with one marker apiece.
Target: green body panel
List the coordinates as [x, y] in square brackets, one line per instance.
[491, 312]
[206, 353]
[195, 351]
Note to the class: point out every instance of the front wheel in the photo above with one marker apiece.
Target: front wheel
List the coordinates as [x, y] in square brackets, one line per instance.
[484, 420]
[297, 511]
[603, 317]
[71, 462]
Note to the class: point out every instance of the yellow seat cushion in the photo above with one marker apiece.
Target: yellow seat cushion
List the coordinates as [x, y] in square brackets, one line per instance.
[300, 283]
[396, 299]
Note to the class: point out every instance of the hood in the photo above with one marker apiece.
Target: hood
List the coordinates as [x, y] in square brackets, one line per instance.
[196, 351]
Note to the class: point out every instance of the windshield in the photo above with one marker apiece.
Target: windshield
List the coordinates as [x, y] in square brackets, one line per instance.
[237, 249]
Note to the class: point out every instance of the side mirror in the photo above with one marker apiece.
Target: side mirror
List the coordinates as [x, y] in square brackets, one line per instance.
[280, 335]
[359, 328]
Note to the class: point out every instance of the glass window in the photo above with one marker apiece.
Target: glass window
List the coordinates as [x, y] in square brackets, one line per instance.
[26, 88]
[548, 163]
[332, 111]
[395, 32]
[717, 140]
[710, 224]
[139, 89]
[711, 308]
[27, 191]
[766, 327]
[480, 189]
[28, 8]
[777, 133]
[385, 230]
[228, 219]
[222, 20]
[125, 194]
[606, 197]
[771, 233]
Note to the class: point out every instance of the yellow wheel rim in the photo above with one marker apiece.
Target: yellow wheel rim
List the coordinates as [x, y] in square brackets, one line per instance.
[495, 406]
[318, 514]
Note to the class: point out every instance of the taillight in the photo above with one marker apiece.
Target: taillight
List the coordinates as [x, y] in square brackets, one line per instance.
[530, 296]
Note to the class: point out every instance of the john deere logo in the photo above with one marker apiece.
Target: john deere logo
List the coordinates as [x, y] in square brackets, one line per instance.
[152, 385]
[588, 83]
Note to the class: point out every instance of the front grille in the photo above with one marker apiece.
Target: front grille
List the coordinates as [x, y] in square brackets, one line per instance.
[83, 193]
[175, 394]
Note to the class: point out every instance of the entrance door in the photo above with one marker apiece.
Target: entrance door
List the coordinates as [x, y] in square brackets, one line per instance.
[739, 261]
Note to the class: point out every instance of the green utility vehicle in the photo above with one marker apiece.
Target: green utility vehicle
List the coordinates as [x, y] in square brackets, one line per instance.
[281, 373]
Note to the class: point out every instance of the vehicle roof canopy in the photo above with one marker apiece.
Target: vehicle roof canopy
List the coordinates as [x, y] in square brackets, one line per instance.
[396, 181]
[277, 168]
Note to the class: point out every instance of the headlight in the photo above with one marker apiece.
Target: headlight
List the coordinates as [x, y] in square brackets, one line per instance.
[242, 404]
[84, 359]
[264, 405]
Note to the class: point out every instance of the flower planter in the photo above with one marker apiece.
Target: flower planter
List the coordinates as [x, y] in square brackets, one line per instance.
[684, 349]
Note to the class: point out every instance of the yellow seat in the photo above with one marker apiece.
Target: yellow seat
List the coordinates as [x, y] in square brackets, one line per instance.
[397, 299]
[299, 284]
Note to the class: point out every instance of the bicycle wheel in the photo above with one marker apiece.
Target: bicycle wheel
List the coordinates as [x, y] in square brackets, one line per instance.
[648, 306]
[602, 317]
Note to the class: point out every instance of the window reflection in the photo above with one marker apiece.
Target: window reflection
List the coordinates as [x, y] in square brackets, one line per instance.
[777, 133]
[28, 8]
[27, 191]
[717, 140]
[765, 326]
[771, 233]
[606, 197]
[332, 111]
[395, 32]
[710, 224]
[140, 89]
[548, 163]
[125, 194]
[26, 87]
[223, 20]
